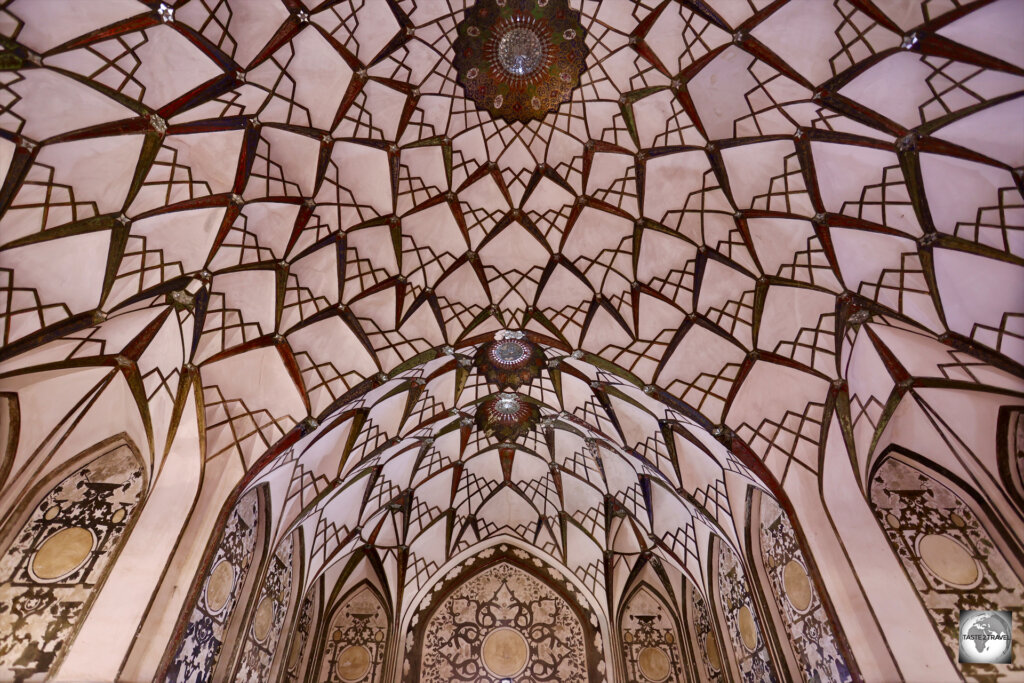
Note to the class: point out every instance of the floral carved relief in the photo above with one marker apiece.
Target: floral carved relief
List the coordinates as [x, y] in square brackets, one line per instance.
[802, 612]
[50, 573]
[744, 629]
[949, 557]
[201, 645]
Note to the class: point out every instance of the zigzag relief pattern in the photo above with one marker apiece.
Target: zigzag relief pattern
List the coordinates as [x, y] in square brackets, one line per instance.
[737, 258]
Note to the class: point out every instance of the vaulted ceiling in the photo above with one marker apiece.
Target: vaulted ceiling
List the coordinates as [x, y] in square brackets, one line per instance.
[289, 219]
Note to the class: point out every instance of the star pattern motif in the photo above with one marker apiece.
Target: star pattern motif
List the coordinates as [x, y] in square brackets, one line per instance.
[286, 229]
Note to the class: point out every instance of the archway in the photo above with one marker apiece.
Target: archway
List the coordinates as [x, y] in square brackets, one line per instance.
[57, 551]
[504, 615]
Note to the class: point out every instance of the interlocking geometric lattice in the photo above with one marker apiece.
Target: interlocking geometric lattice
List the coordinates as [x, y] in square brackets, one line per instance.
[754, 235]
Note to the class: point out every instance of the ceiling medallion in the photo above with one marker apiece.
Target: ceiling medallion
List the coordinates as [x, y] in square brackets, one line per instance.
[520, 59]
[510, 361]
[506, 416]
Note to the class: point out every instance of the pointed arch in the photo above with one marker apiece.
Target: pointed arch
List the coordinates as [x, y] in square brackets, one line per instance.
[60, 544]
[949, 547]
[649, 634]
[355, 640]
[551, 634]
[213, 619]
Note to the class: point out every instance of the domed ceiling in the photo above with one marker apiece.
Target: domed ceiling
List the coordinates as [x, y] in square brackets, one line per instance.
[748, 218]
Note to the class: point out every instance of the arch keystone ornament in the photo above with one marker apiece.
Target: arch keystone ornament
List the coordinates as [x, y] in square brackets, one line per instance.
[520, 59]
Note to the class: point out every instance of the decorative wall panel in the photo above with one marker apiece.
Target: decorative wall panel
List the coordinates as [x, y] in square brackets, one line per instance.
[297, 651]
[204, 637]
[950, 558]
[709, 652]
[1012, 447]
[356, 640]
[802, 613]
[650, 639]
[51, 572]
[264, 632]
[504, 605]
[743, 626]
[493, 618]
[751, 214]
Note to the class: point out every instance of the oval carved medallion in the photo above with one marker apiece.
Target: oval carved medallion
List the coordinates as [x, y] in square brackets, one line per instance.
[505, 652]
[62, 553]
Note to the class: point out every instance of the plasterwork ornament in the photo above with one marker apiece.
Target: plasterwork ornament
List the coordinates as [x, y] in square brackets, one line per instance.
[293, 665]
[506, 416]
[49, 575]
[650, 639]
[802, 612]
[743, 627]
[355, 640]
[500, 595]
[520, 59]
[268, 621]
[916, 511]
[511, 360]
[201, 645]
[709, 652]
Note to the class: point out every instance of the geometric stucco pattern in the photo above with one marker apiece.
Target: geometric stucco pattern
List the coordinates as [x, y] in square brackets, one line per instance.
[298, 199]
[284, 228]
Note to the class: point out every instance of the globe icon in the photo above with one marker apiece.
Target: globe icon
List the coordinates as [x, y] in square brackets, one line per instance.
[985, 637]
